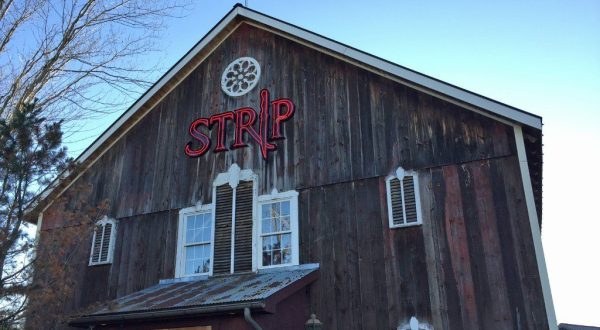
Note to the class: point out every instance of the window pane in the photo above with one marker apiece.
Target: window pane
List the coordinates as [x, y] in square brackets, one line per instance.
[205, 251]
[285, 223]
[207, 224]
[276, 240]
[276, 217]
[206, 234]
[286, 255]
[199, 228]
[198, 235]
[207, 220]
[206, 266]
[189, 265]
[285, 208]
[266, 211]
[275, 225]
[267, 258]
[266, 243]
[286, 241]
[190, 235]
[197, 259]
[266, 226]
[193, 252]
[277, 249]
[275, 210]
[191, 222]
[276, 257]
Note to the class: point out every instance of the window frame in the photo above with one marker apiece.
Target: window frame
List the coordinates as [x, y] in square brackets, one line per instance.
[181, 238]
[399, 174]
[275, 196]
[111, 242]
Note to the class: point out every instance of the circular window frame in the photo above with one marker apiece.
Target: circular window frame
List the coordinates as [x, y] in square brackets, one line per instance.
[234, 80]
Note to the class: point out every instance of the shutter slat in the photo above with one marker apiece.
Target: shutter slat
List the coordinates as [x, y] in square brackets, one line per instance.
[396, 197]
[96, 244]
[409, 199]
[243, 227]
[222, 248]
[105, 242]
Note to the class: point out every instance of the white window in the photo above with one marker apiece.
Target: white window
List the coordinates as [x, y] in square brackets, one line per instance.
[239, 231]
[277, 239]
[103, 242]
[404, 206]
[194, 246]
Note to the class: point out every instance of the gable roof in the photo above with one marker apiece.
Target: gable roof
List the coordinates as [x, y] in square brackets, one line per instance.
[224, 28]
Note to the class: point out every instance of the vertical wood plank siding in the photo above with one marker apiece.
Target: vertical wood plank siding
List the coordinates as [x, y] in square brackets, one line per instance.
[470, 265]
[498, 291]
[349, 125]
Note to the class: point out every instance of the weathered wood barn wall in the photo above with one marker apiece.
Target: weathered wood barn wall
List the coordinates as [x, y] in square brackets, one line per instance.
[470, 265]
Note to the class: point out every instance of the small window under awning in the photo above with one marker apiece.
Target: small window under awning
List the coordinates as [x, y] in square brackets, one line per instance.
[196, 296]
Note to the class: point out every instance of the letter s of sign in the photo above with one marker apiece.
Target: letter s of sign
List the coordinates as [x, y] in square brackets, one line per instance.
[201, 137]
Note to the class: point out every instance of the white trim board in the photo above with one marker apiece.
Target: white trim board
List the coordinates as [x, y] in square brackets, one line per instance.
[535, 227]
[421, 82]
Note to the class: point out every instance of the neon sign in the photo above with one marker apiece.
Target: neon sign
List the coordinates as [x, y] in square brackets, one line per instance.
[244, 119]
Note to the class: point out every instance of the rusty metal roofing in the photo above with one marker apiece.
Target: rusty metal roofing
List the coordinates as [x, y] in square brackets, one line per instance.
[208, 291]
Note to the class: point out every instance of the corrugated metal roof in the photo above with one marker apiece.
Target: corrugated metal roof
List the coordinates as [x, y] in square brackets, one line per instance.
[208, 291]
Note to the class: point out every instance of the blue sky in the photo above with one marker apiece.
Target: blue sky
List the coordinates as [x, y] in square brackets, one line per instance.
[540, 56]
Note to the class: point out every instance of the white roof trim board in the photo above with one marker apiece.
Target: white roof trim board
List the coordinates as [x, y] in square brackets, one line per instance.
[413, 78]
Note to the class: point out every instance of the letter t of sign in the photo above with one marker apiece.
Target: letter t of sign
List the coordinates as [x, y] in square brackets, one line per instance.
[221, 120]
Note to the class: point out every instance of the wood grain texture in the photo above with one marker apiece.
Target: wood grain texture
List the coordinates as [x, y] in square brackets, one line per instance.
[470, 265]
[481, 248]
[349, 125]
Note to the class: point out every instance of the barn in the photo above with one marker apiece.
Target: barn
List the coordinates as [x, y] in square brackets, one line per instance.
[277, 179]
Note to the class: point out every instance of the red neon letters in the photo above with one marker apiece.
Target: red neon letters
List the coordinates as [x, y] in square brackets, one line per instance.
[244, 119]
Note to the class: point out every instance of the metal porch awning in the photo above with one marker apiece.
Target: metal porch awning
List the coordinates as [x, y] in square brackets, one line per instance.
[203, 295]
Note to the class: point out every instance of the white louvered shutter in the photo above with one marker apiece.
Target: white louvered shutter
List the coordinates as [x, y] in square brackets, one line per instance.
[397, 205]
[104, 251]
[403, 201]
[410, 203]
[96, 245]
[101, 243]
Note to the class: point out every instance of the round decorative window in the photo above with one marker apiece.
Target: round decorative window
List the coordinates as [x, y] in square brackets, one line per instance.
[240, 76]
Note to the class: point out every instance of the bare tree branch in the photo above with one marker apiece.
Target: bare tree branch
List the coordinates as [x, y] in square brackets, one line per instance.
[79, 46]
[60, 62]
